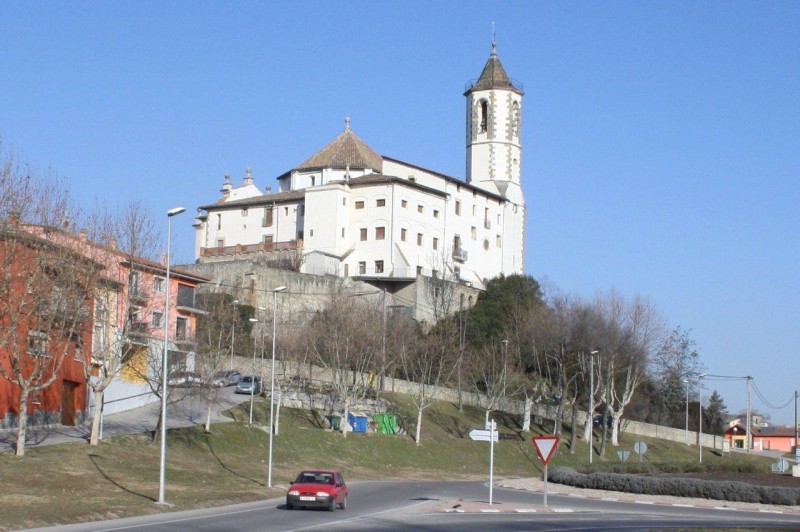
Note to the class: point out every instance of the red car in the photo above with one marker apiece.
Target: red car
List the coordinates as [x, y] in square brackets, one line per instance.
[317, 489]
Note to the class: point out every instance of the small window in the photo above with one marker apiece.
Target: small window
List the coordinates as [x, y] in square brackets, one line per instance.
[419, 239]
[412, 179]
[156, 319]
[474, 233]
[342, 232]
[362, 233]
[244, 212]
[435, 243]
[498, 241]
[286, 211]
[299, 235]
[498, 218]
[219, 221]
[380, 203]
[311, 232]
[37, 343]
[435, 213]
[313, 180]
[420, 209]
[484, 116]
[378, 266]
[485, 243]
[221, 243]
[266, 221]
[473, 210]
[419, 270]
[344, 202]
[403, 233]
[181, 329]
[458, 207]
[359, 204]
[158, 284]
[404, 204]
[362, 267]
[380, 233]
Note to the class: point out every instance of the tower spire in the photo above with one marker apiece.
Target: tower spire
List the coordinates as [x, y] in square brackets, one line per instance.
[494, 40]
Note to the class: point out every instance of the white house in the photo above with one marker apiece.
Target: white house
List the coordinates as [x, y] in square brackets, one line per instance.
[348, 212]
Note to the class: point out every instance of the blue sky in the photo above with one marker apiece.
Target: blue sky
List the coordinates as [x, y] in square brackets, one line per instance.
[661, 140]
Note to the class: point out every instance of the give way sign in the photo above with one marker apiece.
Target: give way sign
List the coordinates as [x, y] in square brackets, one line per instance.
[545, 447]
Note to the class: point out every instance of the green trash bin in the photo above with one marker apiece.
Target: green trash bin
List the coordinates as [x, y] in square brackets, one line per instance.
[335, 422]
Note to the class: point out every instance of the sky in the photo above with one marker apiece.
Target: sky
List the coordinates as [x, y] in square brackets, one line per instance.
[660, 139]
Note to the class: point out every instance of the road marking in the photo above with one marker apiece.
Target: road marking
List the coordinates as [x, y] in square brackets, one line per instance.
[684, 505]
[525, 510]
[770, 511]
[609, 499]
[724, 508]
[490, 511]
[563, 510]
[643, 502]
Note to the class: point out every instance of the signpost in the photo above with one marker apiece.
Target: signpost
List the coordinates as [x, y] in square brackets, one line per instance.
[640, 448]
[489, 435]
[545, 447]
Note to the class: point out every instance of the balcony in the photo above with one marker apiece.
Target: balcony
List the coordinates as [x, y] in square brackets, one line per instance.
[459, 255]
[137, 298]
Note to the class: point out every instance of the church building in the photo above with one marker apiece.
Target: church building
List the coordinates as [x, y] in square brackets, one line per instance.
[349, 212]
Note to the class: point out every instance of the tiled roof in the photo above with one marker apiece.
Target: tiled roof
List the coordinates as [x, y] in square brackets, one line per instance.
[264, 199]
[494, 76]
[343, 151]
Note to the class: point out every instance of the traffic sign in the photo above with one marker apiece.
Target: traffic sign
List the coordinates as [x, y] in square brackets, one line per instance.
[640, 447]
[545, 447]
[483, 435]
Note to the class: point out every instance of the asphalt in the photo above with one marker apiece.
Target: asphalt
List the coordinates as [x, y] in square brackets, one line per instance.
[189, 411]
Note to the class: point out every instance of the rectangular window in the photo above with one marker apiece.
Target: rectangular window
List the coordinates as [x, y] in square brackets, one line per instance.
[185, 296]
[286, 211]
[362, 267]
[498, 241]
[435, 243]
[411, 178]
[473, 210]
[311, 233]
[344, 202]
[456, 243]
[359, 204]
[157, 317]
[380, 233]
[404, 204]
[299, 235]
[313, 180]
[420, 209]
[266, 221]
[458, 207]
[419, 270]
[342, 232]
[474, 233]
[380, 203]
[403, 233]
[134, 286]
[158, 284]
[37, 343]
[419, 239]
[244, 212]
[363, 233]
[181, 329]
[219, 221]
[435, 213]
[220, 242]
[378, 266]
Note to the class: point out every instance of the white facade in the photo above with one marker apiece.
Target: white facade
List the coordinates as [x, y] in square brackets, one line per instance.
[353, 213]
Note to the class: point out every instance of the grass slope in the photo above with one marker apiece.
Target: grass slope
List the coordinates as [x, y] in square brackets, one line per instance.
[77, 483]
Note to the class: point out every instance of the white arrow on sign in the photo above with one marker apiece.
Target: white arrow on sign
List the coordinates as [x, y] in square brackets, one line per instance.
[483, 435]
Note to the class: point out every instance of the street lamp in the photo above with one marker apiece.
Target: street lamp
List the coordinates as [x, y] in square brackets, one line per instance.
[233, 331]
[591, 402]
[253, 376]
[700, 431]
[686, 431]
[272, 378]
[164, 369]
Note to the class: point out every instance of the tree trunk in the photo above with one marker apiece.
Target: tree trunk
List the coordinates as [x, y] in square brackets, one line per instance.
[587, 427]
[419, 426]
[94, 437]
[208, 419]
[526, 415]
[157, 432]
[604, 435]
[23, 421]
[558, 421]
[343, 424]
[573, 438]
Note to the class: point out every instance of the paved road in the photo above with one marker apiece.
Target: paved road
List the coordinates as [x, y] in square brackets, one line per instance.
[394, 506]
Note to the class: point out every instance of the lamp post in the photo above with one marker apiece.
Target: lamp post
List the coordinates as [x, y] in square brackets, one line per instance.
[164, 369]
[700, 422]
[233, 331]
[272, 379]
[591, 402]
[253, 375]
[686, 431]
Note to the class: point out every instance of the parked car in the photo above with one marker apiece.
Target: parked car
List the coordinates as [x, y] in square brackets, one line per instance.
[598, 421]
[184, 379]
[317, 489]
[226, 378]
[249, 384]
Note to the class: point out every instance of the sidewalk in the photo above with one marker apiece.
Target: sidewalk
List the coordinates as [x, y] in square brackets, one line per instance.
[185, 413]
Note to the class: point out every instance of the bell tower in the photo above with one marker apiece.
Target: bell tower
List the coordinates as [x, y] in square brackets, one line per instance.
[494, 114]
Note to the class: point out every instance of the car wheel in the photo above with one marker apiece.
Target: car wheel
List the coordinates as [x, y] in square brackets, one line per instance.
[344, 502]
[332, 505]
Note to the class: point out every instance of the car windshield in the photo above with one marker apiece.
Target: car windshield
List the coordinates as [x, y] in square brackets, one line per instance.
[246, 380]
[311, 477]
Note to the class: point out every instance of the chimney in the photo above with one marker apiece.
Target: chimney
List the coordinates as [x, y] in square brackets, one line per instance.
[248, 176]
[112, 243]
[226, 187]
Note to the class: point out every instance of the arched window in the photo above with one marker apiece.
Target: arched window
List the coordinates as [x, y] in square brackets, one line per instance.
[484, 115]
[515, 119]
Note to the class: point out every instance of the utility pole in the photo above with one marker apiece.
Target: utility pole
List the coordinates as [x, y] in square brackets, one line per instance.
[796, 446]
[749, 416]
